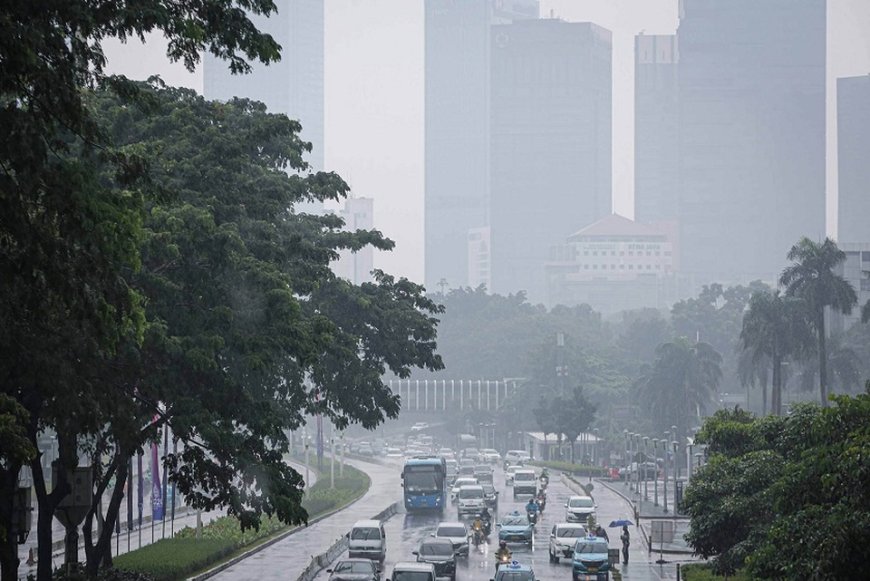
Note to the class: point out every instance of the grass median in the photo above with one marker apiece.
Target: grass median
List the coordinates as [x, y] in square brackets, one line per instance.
[222, 539]
[704, 572]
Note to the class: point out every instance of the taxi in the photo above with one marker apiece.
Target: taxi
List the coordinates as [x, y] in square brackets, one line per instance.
[516, 528]
[514, 571]
[590, 559]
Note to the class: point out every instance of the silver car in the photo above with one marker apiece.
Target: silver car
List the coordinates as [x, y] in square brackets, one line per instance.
[456, 533]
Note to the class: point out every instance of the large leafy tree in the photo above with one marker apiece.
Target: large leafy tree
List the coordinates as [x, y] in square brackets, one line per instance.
[812, 277]
[68, 239]
[248, 329]
[681, 384]
[785, 496]
[775, 328]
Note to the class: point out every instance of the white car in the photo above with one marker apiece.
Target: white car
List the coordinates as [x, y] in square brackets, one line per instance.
[516, 456]
[470, 500]
[562, 539]
[490, 455]
[578, 509]
[457, 533]
[419, 427]
[459, 483]
[509, 475]
[394, 453]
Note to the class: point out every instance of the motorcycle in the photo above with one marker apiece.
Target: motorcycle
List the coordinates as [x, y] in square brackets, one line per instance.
[477, 537]
[542, 502]
[487, 527]
[502, 559]
[533, 517]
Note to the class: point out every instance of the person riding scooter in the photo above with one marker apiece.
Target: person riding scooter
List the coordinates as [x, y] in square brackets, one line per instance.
[486, 519]
[532, 509]
[542, 500]
[477, 531]
[502, 555]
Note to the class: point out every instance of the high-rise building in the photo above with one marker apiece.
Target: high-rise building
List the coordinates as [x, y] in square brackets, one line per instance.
[457, 91]
[550, 159]
[853, 135]
[293, 85]
[752, 134]
[358, 214]
[656, 128]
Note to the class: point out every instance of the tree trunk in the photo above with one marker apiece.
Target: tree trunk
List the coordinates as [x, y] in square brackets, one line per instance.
[91, 554]
[823, 358]
[8, 547]
[48, 503]
[102, 550]
[776, 404]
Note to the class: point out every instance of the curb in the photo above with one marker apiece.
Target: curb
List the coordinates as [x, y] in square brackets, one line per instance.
[280, 537]
[642, 530]
[323, 560]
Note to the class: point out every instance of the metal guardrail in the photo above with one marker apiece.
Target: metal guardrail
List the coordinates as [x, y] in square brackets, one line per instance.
[321, 561]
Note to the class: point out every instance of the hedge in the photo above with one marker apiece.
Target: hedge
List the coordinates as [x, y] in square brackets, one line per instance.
[576, 469]
[184, 554]
[704, 572]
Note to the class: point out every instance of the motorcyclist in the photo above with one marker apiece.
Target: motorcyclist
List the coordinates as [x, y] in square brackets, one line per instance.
[486, 518]
[502, 555]
[532, 510]
[542, 500]
[477, 527]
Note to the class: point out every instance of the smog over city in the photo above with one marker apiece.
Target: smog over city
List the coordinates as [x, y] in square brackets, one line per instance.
[404, 290]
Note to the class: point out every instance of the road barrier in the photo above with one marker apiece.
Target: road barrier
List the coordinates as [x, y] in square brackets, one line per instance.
[321, 561]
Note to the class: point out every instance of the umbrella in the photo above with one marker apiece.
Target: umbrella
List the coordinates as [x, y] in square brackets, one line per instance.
[621, 523]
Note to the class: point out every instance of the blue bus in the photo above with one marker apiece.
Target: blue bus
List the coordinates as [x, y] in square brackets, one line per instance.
[424, 479]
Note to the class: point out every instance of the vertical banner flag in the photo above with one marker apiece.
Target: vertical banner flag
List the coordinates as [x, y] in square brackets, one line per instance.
[131, 486]
[156, 489]
[140, 493]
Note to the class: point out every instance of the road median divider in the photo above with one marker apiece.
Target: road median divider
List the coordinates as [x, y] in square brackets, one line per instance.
[321, 561]
[224, 544]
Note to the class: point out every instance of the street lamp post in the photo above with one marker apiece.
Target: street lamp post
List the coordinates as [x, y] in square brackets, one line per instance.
[676, 465]
[637, 464]
[332, 459]
[596, 449]
[665, 479]
[675, 445]
[341, 455]
[645, 478]
[306, 443]
[655, 442]
[627, 455]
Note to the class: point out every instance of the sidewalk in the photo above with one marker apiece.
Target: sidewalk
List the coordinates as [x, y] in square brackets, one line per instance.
[127, 540]
[646, 512]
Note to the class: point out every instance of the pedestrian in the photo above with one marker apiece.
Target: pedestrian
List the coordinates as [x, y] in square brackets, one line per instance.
[600, 532]
[626, 541]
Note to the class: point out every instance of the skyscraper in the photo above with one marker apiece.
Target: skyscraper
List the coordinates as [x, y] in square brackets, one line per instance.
[457, 91]
[550, 166]
[294, 85]
[853, 135]
[752, 134]
[656, 128]
[358, 214]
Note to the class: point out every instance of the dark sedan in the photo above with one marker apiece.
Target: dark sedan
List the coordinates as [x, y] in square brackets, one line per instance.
[438, 552]
[354, 570]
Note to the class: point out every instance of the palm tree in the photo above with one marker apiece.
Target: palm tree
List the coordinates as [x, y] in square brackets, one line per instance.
[775, 328]
[811, 276]
[681, 383]
[754, 371]
[843, 367]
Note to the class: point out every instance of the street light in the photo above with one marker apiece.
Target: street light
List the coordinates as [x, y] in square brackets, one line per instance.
[676, 445]
[306, 443]
[655, 442]
[627, 454]
[645, 479]
[596, 449]
[676, 466]
[665, 479]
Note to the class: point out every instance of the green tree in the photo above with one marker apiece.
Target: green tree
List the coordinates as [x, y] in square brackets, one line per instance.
[843, 366]
[811, 277]
[681, 384]
[754, 372]
[572, 414]
[775, 328]
[248, 330]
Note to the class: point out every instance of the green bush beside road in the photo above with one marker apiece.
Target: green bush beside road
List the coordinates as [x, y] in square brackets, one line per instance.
[184, 554]
[575, 469]
[704, 572]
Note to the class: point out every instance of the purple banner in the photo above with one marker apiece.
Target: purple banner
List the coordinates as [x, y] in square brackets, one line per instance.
[140, 494]
[156, 488]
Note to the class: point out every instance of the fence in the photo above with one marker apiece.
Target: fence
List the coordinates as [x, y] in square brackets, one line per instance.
[433, 395]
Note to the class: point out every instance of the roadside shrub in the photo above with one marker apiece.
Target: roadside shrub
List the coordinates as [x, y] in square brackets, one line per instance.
[170, 559]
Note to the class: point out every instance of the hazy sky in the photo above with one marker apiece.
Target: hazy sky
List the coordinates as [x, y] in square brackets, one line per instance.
[374, 97]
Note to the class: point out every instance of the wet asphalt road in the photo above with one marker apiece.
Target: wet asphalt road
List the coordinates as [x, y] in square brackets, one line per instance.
[406, 531]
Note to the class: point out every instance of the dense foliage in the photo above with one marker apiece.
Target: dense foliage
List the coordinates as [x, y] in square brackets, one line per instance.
[786, 497]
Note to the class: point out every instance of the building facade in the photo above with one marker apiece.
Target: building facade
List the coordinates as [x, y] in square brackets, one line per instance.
[457, 100]
[853, 145]
[479, 265]
[752, 134]
[856, 270]
[615, 265]
[550, 157]
[358, 214]
[294, 85]
[656, 133]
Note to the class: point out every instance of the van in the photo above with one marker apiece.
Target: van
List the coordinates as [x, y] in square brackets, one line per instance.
[367, 540]
[413, 572]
